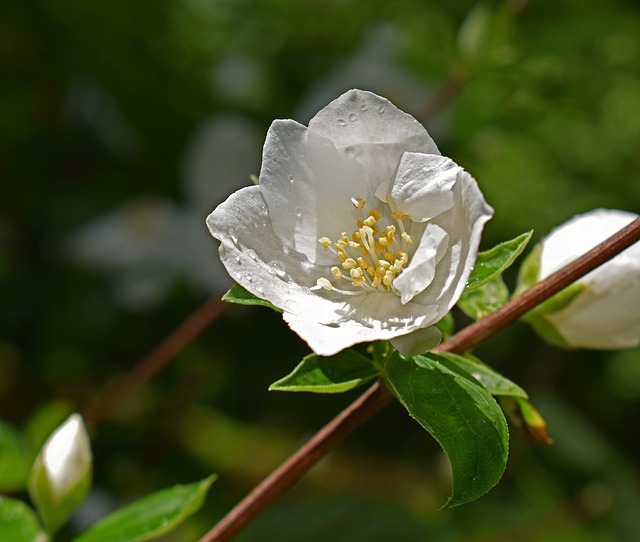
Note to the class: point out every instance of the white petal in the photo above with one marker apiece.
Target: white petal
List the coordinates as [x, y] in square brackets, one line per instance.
[374, 131]
[417, 342]
[464, 223]
[422, 268]
[308, 185]
[423, 186]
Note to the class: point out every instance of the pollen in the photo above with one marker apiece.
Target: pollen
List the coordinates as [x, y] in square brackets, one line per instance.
[372, 257]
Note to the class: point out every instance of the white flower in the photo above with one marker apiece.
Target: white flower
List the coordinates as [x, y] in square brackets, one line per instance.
[606, 313]
[359, 229]
[66, 456]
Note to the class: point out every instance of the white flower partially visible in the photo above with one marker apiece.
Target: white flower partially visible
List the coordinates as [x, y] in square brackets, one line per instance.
[606, 313]
[359, 229]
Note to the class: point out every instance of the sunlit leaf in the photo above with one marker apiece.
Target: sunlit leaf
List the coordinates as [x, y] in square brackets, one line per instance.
[491, 380]
[237, 294]
[335, 374]
[150, 517]
[460, 414]
[482, 301]
[495, 261]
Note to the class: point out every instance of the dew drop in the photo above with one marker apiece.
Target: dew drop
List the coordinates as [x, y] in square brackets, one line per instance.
[285, 250]
[353, 117]
[251, 253]
[350, 152]
[248, 277]
[260, 290]
[278, 269]
[363, 107]
[298, 212]
[291, 305]
[234, 239]
[341, 122]
[381, 109]
[236, 258]
[291, 179]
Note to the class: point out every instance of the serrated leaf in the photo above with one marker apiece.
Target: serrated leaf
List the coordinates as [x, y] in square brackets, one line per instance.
[334, 374]
[241, 296]
[18, 522]
[150, 517]
[495, 261]
[482, 301]
[15, 462]
[460, 414]
[491, 380]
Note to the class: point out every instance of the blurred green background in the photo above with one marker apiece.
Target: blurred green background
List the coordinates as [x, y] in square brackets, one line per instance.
[122, 124]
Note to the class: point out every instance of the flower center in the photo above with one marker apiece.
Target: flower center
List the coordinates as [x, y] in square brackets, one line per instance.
[373, 256]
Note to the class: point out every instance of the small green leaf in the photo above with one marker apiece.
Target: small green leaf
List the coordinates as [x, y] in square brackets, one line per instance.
[335, 374]
[493, 262]
[482, 301]
[15, 462]
[18, 522]
[150, 517]
[241, 296]
[491, 380]
[460, 414]
[526, 419]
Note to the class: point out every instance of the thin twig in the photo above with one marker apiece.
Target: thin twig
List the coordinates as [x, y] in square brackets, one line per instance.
[158, 358]
[377, 396]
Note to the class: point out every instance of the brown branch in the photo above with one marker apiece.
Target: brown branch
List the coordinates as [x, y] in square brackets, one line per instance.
[377, 396]
[158, 358]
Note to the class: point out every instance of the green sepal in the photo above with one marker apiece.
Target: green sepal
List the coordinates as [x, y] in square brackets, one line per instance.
[491, 380]
[482, 301]
[460, 414]
[241, 296]
[150, 517]
[18, 522]
[334, 374]
[494, 262]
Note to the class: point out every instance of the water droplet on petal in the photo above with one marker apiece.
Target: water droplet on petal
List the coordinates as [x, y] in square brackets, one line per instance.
[248, 277]
[236, 257]
[234, 239]
[291, 305]
[298, 212]
[351, 152]
[278, 269]
[381, 109]
[341, 122]
[291, 179]
[363, 107]
[353, 117]
[285, 250]
[251, 253]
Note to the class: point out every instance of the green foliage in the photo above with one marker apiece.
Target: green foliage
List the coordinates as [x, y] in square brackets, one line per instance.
[14, 460]
[18, 523]
[491, 380]
[342, 372]
[150, 517]
[492, 263]
[484, 300]
[460, 414]
[238, 294]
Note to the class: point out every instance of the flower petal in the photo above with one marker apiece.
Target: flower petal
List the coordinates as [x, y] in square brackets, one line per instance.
[422, 269]
[308, 185]
[372, 130]
[417, 342]
[423, 186]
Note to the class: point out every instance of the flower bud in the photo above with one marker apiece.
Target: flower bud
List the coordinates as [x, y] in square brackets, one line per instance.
[61, 474]
[602, 309]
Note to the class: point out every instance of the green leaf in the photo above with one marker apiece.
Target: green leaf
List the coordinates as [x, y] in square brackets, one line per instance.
[460, 414]
[491, 380]
[526, 419]
[529, 270]
[150, 517]
[446, 325]
[15, 462]
[482, 301]
[18, 522]
[241, 296]
[492, 263]
[335, 374]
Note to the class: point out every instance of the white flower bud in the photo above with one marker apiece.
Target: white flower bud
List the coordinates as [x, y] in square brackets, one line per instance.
[61, 475]
[603, 311]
